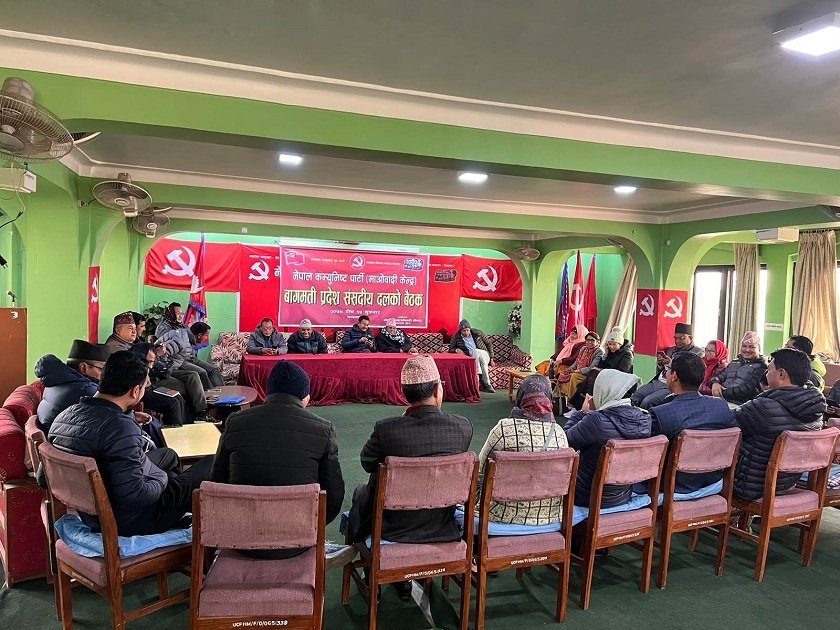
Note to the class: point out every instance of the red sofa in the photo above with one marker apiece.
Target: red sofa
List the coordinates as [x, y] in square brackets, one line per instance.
[23, 542]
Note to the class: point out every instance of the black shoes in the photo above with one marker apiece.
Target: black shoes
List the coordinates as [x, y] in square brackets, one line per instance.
[485, 386]
[403, 590]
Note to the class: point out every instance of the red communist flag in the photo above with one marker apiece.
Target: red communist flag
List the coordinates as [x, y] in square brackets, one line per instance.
[576, 297]
[490, 279]
[590, 303]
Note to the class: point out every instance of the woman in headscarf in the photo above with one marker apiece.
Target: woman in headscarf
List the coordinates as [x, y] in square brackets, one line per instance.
[561, 363]
[716, 358]
[392, 339]
[530, 427]
[740, 381]
[569, 382]
[606, 415]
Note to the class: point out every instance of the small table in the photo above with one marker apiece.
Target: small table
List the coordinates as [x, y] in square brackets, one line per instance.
[220, 411]
[516, 375]
[192, 441]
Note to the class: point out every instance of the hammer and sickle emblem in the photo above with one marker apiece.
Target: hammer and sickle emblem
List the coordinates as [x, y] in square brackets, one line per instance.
[180, 266]
[94, 290]
[646, 309]
[489, 283]
[260, 271]
[576, 298]
[357, 262]
[675, 307]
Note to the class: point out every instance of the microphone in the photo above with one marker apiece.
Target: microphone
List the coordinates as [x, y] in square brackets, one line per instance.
[13, 296]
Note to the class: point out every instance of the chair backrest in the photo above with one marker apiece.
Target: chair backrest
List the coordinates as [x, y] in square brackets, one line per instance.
[531, 476]
[34, 437]
[706, 451]
[68, 477]
[258, 517]
[835, 422]
[415, 483]
[633, 461]
[801, 451]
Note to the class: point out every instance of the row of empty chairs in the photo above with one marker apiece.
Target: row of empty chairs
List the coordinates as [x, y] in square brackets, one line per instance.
[290, 592]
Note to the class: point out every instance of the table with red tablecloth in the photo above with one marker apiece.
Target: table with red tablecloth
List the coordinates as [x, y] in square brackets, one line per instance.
[362, 377]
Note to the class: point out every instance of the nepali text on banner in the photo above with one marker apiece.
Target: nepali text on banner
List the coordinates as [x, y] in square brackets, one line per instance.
[334, 287]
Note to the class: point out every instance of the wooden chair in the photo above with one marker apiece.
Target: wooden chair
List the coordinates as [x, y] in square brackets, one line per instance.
[698, 452]
[75, 483]
[794, 451]
[512, 476]
[249, 592]
[415, 483]
[622, 462]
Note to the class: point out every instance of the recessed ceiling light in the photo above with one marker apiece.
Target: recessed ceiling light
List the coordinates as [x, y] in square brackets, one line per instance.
[290, 159]
[469, 177]
[815, 37]
[625, 190]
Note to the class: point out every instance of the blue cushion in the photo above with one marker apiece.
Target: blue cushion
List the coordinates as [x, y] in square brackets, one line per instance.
[79, 538]
[636, 501]
[509, 529]
[705, 491]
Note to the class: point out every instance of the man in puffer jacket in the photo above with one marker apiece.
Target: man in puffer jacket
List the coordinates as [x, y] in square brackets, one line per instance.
[613, 418]
[741, 380]
[65, 385]
[788, 405]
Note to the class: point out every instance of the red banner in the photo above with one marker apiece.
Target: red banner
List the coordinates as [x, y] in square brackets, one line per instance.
[576, 297]
[171, 264]
[489, 279]
[334, 287]
[93, 304]
[444, 293]
[259, 285]
[657, 312]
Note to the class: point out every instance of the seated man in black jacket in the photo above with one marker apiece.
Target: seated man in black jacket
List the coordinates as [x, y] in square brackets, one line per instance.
[307, 341]
[281, 443]
[788, 405]
[148, 492]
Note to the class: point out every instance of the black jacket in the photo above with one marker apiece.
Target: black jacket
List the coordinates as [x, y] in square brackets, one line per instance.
[762, 420]
[588, 432]
[742, 379]
[482, 342]
[424, 431]
[63, 387]
[98, 428]
[316, 344]
[352, 340]
[385, 344]
[621, 359]
[280, 443]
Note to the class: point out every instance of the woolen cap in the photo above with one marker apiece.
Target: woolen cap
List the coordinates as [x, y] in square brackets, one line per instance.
[464, 324]
[84, 351]
[288, 378]
[615, 336]
[419, 369]
[683, 329]
[306, 323]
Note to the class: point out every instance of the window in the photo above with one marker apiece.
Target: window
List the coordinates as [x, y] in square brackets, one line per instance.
[713, 300]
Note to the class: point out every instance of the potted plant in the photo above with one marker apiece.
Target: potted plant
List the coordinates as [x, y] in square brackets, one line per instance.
[515, 321]
[154, 314]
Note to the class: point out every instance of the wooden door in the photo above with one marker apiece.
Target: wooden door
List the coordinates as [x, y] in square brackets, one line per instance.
[12, 349]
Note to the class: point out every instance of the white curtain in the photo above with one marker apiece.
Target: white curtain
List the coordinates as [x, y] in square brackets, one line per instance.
[814, 291]
[744, 309]
[625, 299]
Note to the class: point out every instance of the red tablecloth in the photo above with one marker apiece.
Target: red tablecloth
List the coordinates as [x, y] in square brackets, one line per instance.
[362, 377]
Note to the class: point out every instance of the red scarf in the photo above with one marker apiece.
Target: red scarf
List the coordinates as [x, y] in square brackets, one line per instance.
[717, 362]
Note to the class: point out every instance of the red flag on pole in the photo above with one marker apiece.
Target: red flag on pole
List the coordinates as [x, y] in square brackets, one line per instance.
[590, 303]
[197, 308]
[576, 297]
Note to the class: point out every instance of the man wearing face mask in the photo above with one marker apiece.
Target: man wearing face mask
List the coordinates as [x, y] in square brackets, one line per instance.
[149, 494]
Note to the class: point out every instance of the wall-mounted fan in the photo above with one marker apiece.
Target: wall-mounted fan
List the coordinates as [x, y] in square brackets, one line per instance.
[121, 194]
[526, 253]
[28, 131]
[149, 222]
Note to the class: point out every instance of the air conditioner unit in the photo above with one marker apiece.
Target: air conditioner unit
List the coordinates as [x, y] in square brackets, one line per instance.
[777, 235]
[17, 180]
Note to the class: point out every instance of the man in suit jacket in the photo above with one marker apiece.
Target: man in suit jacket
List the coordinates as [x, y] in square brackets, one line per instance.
[687, 409]
[422, 431]
[474, 343]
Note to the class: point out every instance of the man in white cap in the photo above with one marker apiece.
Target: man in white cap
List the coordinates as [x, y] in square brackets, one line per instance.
[422, 431]
[307, 341]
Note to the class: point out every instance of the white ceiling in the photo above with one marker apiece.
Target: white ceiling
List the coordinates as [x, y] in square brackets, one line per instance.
[709, 64]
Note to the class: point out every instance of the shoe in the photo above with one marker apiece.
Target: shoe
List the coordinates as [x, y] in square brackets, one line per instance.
[204, 417]
[339, 555]
[569, 413]
[487, 387]
[403, 590]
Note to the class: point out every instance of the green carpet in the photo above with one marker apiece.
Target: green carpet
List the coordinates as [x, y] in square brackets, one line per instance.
[790, 596]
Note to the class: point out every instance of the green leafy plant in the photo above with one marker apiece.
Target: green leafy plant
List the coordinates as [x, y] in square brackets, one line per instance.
[154, 314]
[515, 321]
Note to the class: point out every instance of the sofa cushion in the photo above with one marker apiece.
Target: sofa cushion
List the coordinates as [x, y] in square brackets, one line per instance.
[428, 343]
[23, 403]
[12, 447]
